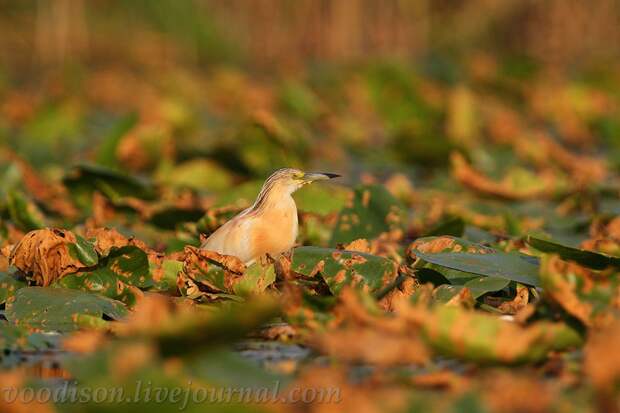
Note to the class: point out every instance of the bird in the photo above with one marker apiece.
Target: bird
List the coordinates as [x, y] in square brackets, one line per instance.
[269, 226]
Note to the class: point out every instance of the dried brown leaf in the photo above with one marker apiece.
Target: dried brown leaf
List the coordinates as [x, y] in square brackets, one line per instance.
[469, 177]
[44, 255]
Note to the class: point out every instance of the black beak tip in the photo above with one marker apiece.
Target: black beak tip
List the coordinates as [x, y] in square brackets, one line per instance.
[331, 176]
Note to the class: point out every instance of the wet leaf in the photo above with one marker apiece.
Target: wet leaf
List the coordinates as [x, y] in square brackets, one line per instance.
[579, 291]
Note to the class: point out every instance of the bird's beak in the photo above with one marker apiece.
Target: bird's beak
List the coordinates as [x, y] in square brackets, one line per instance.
[318, 176]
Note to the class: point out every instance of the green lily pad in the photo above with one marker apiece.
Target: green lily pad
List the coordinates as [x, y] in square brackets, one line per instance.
[373, 211]
[106, 153]
[170, 217]
[451, 226]
[85, 178]
[590, 259]
[123, 267]
[462, 260]
[197, 174]
[482, 285]
[339, 268]
[484, 338]
[83, 251]
[58, 308]
[255, 279]
[321, 198]
[23, 212]
[9, 284]
[510, 266]
[169, 272]
[14, 337]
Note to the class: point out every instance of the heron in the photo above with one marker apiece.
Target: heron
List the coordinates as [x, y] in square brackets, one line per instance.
[269, 227]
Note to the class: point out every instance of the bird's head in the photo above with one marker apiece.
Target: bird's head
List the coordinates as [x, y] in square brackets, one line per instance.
[288, 180]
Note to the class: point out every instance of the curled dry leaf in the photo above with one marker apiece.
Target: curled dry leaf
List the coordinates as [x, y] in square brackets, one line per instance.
[53, 195]
[47, 255]
[542, 149]
[543, 186]
[484, 338]
[105, 239]
[228, 262]
[463, 298]
[518, 303]
[281, 332]
[591, 299]
[400, 294]
[445, 243]
[214, 272]
[359, 245]
[604, 237]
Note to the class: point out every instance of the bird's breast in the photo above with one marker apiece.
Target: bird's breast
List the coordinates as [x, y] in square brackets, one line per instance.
[274, 231]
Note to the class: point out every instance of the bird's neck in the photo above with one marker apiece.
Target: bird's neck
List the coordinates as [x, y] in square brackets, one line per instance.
[273, 200]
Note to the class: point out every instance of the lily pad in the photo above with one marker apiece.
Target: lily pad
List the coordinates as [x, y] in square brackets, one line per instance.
[340, 267]
[123, 267]
[451, 226]
[23, 212]
[456, 258]
[255, 279]
[83, 251]
[482, 285]
[510, 266]
[14, 337]
[59, 308]
[115, 184]
[373, 211]
[9, 284]
[321, 199]
[170, 217]
[484, 338]
[590, 259]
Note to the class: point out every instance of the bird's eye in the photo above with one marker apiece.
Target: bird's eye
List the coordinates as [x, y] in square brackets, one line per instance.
[298, 175]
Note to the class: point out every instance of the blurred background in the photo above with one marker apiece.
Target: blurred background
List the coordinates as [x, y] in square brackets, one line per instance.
[206, 93]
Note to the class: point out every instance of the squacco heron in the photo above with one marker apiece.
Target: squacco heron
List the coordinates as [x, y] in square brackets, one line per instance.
[269, 226]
